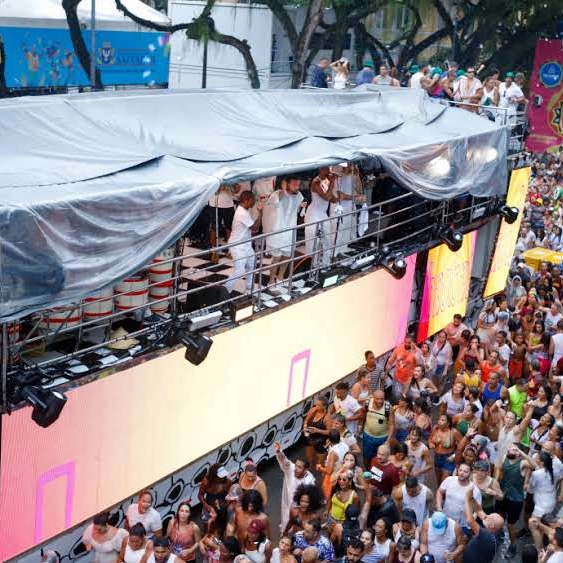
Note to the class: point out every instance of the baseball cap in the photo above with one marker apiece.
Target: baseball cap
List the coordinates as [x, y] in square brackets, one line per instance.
[408, 515]
[235, 493]
[369, 64]
[222, 473]
[256, 526]
[439, 521]
[509, 75]
[415, 68]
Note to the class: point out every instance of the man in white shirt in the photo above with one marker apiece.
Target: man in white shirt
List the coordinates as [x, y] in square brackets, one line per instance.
[280, 212]
[450, 496]
[347, 406]
[242, 253]
[418, 80]
[510, 95]
[502, 348]
[294, 474]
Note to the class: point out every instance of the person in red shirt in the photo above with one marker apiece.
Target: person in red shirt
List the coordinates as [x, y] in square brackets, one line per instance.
[385, 476]
[491, 364]
[403, 359]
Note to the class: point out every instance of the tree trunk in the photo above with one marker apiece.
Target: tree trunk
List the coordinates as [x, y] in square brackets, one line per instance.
[78, 42]
[239, 44]
[314, 14]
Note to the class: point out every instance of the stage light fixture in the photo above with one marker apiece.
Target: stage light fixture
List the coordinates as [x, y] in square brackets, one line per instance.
[395, 265]
[197, 346]
[47, 404]
[328, 278]
[453, 238]
[241, 309]
[510, 214]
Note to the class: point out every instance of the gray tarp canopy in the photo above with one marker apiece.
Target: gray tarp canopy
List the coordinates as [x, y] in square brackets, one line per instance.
[92, 186]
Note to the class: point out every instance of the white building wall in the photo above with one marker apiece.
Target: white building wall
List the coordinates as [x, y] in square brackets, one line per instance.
[225, 65]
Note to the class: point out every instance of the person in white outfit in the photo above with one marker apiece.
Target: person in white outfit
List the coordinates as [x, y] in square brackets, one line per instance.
[242, 253]
[280, 212]
[294, 474]
[442, 537]
[341, 69]
[510, 95]
[343, 228]
[316, 236]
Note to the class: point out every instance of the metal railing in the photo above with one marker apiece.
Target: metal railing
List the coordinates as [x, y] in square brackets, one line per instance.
[404, 223]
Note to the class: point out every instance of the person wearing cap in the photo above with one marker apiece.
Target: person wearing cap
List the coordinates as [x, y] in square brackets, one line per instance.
[214, 486]
[366, 75]
[442, 537]
[483, 545]
[510, 95]
[280, 214]
[295, 473]
[406, 528]
[257, 547]
[384, 77]
[377, 505]
[249, 480]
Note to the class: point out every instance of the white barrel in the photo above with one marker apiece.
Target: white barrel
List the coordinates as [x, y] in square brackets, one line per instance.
[161, 273]
[98, 304]
[61, 317]
[131, 292]
[159, 292]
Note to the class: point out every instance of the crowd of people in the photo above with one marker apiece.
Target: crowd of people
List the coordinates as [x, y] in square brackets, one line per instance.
[449, 451]
[493, 97]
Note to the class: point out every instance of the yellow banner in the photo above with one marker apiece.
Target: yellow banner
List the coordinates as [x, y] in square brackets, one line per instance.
[508, 234]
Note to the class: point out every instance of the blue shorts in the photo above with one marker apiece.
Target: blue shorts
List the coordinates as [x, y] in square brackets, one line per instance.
[441, 462]
[369, 447]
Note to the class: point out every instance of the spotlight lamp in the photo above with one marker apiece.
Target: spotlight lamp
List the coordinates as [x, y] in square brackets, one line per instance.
[47, 404]
[395, 265]
[510, 214]
[197, 346]
[452, 238]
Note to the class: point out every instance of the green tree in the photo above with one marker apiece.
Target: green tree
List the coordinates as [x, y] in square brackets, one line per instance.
[200, 29]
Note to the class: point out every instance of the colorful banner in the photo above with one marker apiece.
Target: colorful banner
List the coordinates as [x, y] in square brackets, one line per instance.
[45, 58]
[128, 430]
[508, 234]
[446, 285]
[545, 108]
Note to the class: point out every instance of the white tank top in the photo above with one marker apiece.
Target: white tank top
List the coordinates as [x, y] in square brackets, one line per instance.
[438, 545]
[318, 207]
[415, 456]
[340, 449]
[417, 503]
[133, 556]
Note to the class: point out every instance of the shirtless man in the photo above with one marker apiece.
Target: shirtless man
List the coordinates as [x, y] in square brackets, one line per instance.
[251, 509]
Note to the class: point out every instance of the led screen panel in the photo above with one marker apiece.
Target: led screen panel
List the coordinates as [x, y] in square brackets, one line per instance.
[446, 285]
[129, 430]
[508, 234]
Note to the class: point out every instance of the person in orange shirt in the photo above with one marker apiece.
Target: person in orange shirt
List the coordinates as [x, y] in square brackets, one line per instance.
[490, 365]
[403, 359]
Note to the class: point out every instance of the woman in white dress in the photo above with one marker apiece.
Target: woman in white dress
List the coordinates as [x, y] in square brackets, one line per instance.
[103, 540]
[341, 69]
[322, 193]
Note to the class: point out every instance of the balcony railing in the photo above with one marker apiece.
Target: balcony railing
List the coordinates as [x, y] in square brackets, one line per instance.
[192, 293]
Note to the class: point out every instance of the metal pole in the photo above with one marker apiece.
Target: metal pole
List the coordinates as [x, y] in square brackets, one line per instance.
[4, 375]
[93, 45]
